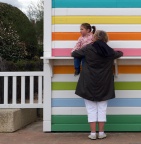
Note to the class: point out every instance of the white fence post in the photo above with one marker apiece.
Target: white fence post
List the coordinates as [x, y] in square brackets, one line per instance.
[6, 90]
[23, 90]
[40, 89]
[47, 68]
[14, 89]
[31, 90]
[47, 97]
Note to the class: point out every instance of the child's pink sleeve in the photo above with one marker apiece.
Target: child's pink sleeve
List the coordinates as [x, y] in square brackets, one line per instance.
[78, 45]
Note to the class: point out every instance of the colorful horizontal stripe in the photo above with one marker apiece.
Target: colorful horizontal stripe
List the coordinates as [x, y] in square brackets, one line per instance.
[126, 51]
[118, 85]
[82, 111]
[76, 102]
[113, 44]
[129, 69]
[79, 123]
[82, 119]
[96, 19]
[112, 35]
[86, 127]
[96, 4]
[120, 78]
[105, 27]
[96, 11]
[119, 94]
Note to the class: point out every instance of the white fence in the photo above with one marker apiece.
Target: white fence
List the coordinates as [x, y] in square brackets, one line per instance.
[33, 101]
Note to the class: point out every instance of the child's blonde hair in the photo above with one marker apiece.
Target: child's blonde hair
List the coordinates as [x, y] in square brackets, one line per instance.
[101, 35]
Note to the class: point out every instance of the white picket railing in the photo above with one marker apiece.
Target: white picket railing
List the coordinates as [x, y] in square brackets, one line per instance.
[24, 103]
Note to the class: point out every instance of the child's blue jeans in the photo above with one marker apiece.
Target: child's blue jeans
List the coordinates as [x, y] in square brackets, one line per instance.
[77, 63]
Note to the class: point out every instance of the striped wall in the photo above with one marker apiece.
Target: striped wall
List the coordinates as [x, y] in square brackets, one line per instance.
[122, 20]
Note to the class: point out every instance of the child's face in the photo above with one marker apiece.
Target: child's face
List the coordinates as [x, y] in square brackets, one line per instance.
[84, 31]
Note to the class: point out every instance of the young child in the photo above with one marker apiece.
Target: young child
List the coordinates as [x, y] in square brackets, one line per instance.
[85, 38]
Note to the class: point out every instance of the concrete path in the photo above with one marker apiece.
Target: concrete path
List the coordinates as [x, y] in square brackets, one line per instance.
[33, 134]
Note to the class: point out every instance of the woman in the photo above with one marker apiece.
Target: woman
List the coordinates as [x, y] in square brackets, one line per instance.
[96, 82]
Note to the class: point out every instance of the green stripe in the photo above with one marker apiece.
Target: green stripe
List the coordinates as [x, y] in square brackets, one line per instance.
[86, 127]
[79, 123]
[96, 3]
[118, 85]
[63, 85]
[82, 119]
[127, 85]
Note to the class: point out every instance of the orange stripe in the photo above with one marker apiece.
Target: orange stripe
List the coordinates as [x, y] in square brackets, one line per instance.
[65, 35]
[63, 69]
[112, 35]
[125, 69]
[124, 35]
[122, 69]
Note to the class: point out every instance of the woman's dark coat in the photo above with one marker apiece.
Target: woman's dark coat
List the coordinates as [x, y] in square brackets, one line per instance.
[96, 81]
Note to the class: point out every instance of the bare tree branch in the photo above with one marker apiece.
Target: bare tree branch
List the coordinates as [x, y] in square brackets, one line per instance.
[35, 12]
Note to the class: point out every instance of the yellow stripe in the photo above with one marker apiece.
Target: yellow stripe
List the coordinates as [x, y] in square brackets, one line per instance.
[122, 69]
[96, 19]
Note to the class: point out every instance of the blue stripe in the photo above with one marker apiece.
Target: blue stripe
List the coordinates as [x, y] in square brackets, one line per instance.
[77, 102]
[96, 3]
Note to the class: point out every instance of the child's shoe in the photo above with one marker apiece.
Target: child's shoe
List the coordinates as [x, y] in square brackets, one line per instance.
[77, 72]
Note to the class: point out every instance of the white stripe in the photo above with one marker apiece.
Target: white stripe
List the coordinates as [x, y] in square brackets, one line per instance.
[64, 78]
[129, 62]
[120, 62]
[96, 11]
[105, 27]
[128, 78]
[113, 44]
[63, 62]
[120, 78]
[119, 94]
[82, 110]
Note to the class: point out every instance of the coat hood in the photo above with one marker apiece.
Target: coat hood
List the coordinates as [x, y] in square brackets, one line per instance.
[103, 49]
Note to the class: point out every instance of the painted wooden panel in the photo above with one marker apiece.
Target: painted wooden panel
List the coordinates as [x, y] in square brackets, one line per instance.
[96, 11]
[113, 44]
[112, 35]
[82, 111]
[73, 119]
[114, 123]
[105, 27]
[116, 102]
[85, 127]
[119, 94]
[96, 19]
[122, 20]
[96, 4]
[126, 51]
[118, 85]
[120, 78]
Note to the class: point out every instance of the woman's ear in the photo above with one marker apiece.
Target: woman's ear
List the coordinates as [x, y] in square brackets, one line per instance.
[94, 38]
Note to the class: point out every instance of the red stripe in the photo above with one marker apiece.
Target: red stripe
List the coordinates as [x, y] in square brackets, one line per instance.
[67, 51]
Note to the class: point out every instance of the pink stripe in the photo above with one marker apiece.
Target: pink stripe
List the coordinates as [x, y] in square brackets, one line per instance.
[130, 51]
[67, 51]
[61, 52]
